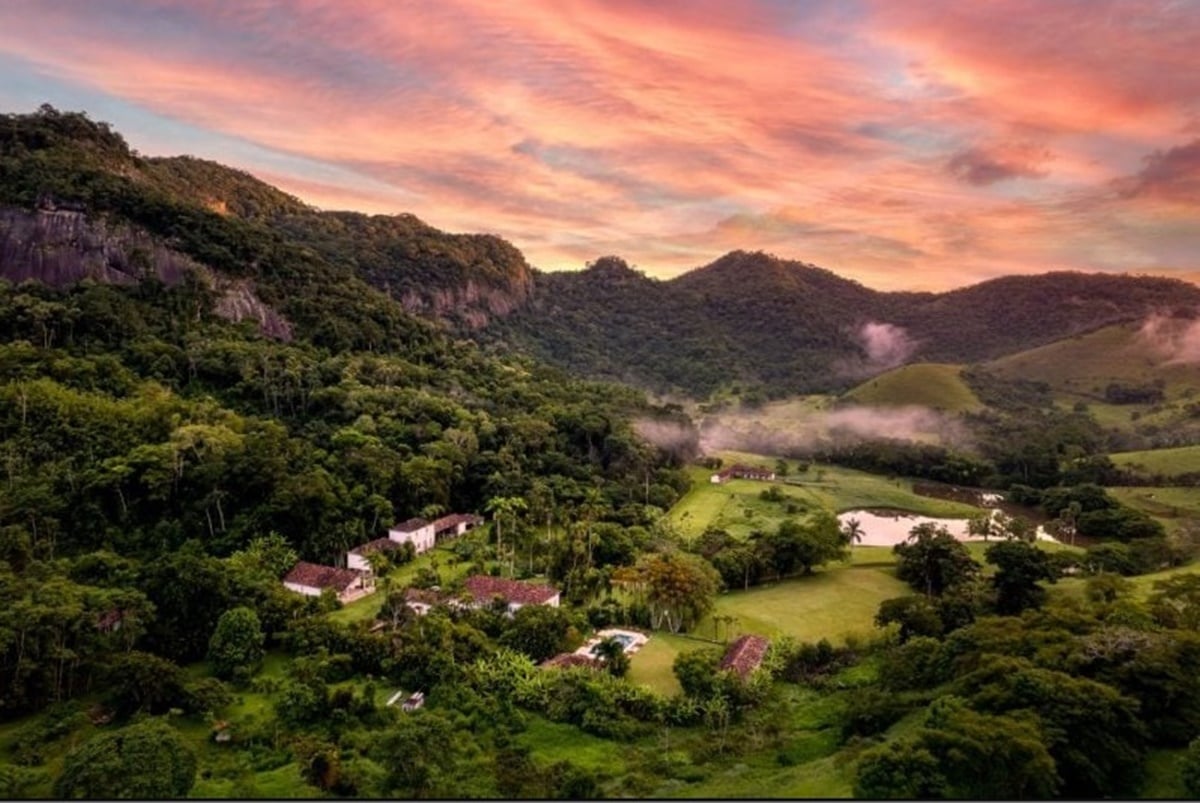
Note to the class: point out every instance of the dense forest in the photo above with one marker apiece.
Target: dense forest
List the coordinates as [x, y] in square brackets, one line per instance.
[781, 327]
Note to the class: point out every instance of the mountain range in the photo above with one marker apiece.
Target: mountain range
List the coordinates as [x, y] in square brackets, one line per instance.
[77, 203]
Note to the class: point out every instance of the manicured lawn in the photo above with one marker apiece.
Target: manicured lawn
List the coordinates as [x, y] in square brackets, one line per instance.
[652, 664]
[832, 603]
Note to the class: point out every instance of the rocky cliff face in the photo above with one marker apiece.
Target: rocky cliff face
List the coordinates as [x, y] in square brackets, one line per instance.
[60, 246]
[471, 304]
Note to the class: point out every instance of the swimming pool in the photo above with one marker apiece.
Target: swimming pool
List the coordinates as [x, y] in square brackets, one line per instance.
[624, 639]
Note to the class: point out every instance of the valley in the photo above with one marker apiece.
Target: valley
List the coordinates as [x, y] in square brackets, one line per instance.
[205, 382]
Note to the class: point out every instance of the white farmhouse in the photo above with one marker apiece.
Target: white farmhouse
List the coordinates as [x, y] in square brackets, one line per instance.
[418, 532]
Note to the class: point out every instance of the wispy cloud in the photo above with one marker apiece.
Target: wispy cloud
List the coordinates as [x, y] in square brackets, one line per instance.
[919, 144]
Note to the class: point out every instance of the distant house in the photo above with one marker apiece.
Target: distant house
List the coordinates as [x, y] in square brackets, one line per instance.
[455, 524]
[413, 703]
[738, 472]
[417, 532]
[357, 558]
[745, 655]
[311, 579]
[514, 592]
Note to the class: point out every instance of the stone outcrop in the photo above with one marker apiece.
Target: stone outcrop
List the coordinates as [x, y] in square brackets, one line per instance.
[60, 245]
[472, 304]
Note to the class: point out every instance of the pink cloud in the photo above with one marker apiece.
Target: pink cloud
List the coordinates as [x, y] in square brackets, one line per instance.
[882, 143]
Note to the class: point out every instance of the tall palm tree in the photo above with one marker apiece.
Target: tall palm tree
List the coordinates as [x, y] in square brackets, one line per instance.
[853, 532]
[501, 507]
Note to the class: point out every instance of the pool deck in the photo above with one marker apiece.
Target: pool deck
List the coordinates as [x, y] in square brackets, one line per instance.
[636, 641]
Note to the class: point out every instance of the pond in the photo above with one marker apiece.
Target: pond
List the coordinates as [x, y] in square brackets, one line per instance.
[890, 527]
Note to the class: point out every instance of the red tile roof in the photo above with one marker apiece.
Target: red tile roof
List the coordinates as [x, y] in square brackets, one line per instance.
[378, 545]
[484, 588]
[568, 659]
[317, 576]
[455, 519]
[745, 655]
[411, 526]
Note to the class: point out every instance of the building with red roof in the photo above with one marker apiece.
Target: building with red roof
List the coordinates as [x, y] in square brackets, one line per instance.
[745, 655]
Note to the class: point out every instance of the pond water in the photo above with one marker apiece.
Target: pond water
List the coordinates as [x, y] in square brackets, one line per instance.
[890, 527]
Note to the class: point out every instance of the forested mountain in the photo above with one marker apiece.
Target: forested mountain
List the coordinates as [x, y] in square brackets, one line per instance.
[146, 436]
[76, 201]
[788, 327]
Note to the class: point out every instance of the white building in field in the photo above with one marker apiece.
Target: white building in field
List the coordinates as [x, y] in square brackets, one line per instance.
[418, 532]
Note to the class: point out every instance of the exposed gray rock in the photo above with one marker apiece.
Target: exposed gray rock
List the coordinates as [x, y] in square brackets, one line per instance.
[61, 246]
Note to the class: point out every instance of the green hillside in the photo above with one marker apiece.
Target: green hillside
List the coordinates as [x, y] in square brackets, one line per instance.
[935, 385]
[1165, 462]
[1133, 386]
[1084, 365]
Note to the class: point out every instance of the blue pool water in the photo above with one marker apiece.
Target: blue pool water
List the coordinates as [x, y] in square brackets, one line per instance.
[624, 639]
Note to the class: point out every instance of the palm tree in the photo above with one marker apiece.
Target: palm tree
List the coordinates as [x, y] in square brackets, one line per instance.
[853, 532]
[612, 652]
[499, 507]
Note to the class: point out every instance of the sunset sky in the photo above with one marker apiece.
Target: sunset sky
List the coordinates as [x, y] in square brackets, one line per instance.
[905, 144]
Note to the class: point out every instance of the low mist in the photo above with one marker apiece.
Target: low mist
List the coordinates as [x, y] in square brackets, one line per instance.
[679, 439]
[823, 429]
[884, 345]
[1175, 340]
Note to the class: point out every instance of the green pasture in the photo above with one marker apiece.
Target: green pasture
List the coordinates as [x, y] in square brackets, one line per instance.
[652, 664]
[1085, 364]
[938, 386]
[1168, 462]
[550, 742]
[1172, 506]
[736, 505]
[834, 602]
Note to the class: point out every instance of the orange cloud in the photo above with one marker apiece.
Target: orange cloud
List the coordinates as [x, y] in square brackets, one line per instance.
[912, 144]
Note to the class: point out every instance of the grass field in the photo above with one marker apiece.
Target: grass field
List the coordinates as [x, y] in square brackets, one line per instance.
[938, 386]
[1168, 462]
[1085, 364]
[834, 602]
[735, 505]
[651, 665]
[1079, 369]
[1171, 506]
[554, 741]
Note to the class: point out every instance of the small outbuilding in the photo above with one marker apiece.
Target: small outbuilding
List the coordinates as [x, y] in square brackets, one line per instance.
[311, 579]
[745, 655]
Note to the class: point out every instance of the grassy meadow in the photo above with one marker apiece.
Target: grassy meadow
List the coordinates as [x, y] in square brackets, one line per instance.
[1167, 462]
[737, 507]
[938, 386]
